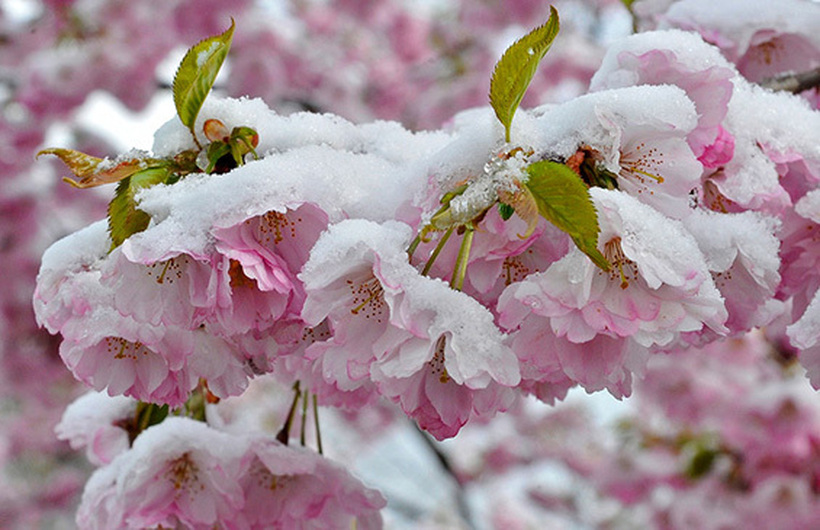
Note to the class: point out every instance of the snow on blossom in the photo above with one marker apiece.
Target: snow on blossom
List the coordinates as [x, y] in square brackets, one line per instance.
[434, 350]
[808, 207]
[183, 472]
[677, 58]
[69, 261]
[742, 252]
[93, 422]
[112, 351]
[502, 251]
[659, 287]
[323, 160]
[762, 41]
[768, 148]
[291, 487]
[805, 334]
[179, 472]
[801, 252]
[477, 138]
[177, 290]
[636, 133]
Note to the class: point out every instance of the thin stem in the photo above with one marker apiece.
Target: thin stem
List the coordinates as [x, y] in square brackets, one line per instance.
[413, 246]
[460, 270]
[304, 418]
[284, 434]
[437, 251]
[316, 424]
[196, 140]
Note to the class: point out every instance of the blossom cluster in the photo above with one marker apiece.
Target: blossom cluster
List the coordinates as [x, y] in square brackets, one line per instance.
[59, 55]
[183, 472]
[367, 262]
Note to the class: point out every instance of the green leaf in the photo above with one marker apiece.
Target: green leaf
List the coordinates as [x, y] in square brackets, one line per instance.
[196, 74]
[701, 463]
[563, 199]
[505, 210]
[93, 171]
[215, 151]
[516, 68]
[124, 218]
[246, 140]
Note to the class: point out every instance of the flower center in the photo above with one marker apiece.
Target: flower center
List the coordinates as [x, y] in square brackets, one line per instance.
[514, 269]
[168, 271]
[367, 298]
[623, 269]
[238, 278]
[436, 364]
[274, 226]
[267, 480]
[183, 472]
[715, 200]
[641, 164]
[123, 349]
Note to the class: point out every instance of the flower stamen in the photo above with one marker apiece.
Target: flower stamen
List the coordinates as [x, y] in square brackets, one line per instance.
[623, 269]
[368, 298]
[437, 362]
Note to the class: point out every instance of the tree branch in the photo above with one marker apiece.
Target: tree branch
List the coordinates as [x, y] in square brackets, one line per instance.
[793, 82]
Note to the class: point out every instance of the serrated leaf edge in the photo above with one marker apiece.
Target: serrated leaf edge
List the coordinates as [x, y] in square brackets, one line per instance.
[592, 252]
[505, 92]
[179, 93]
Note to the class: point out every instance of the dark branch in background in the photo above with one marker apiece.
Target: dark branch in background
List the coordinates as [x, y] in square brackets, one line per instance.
[301, 103]
[793, 82]
[463, 508]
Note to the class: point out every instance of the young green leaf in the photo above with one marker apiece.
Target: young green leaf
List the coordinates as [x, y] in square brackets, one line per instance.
[196, 74]
[505, 210]
[214, 152]
[93, 171]
[516, 68]
[124, 218]
[564, 200]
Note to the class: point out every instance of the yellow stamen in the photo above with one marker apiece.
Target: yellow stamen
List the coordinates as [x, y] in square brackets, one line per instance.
[368, 298]
[161, 278]
[437, 362]
[656, 178]
[625, 267]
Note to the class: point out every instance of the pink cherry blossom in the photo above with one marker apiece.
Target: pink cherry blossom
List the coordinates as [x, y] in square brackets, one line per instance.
[93, 422]
[499, 255]
[682, 59]
[288, 487]
[653, 294]
[434, 350]
[178, 290]
[742, 252]
[638, 134]
[775, 162]
[265, 253]
[699, 448]
[179, 472]
[762, 44]
[805, 334]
